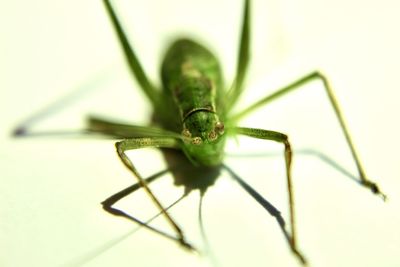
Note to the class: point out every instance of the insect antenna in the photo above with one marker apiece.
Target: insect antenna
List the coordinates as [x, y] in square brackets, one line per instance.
[207, 246]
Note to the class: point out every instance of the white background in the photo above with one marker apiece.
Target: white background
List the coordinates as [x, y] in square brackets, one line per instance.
[51, 187]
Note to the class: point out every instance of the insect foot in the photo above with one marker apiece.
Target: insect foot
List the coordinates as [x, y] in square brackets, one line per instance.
[375, 189]
[186, 245]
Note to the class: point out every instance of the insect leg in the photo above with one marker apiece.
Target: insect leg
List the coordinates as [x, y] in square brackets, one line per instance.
[268, 206]
[243, 58]
[297, 84]
[132, 60]
[136, 143]
[281, 138]
[123, 130]
[110, 201]
[86, 87]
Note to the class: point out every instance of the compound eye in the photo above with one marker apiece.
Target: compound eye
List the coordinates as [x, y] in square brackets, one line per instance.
[186, 133]
[212, 135]
[219, 127]
[197, 141]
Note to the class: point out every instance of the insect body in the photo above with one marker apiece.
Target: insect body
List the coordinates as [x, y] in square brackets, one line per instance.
[194, 112]
[192, 78]
[192, 116]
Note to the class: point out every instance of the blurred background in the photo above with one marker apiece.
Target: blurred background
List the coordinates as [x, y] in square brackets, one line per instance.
[51, 187]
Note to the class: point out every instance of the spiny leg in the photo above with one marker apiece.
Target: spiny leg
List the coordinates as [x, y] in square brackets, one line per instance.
[110, 201]
[268, 206]
[281, 138]
[158, 138]
[136, 143]
[297, 84]
[242, 59]
[124, 130]
[132, 59]
[85, 87]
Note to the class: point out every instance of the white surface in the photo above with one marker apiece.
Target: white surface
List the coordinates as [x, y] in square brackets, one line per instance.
[51, 187]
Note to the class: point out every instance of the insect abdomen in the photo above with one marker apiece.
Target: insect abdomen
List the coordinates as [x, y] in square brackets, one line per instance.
[192, 76]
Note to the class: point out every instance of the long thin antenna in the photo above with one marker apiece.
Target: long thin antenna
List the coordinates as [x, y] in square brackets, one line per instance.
[208, 250]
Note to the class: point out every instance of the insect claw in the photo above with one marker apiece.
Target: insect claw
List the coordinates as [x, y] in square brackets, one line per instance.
[375, 189]
[187, 245]
[382, 195]
[300, 257]
[19, 131]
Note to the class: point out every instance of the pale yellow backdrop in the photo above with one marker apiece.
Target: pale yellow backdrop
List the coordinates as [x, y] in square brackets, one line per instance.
[51, 187]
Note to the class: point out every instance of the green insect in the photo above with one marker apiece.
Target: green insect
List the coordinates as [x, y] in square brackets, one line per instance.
[192, 117]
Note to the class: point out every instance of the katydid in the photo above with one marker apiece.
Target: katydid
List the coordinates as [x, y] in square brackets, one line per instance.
[193, 117]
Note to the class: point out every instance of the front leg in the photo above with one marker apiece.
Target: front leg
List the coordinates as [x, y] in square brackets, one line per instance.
[136, 143]
[281, 138]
